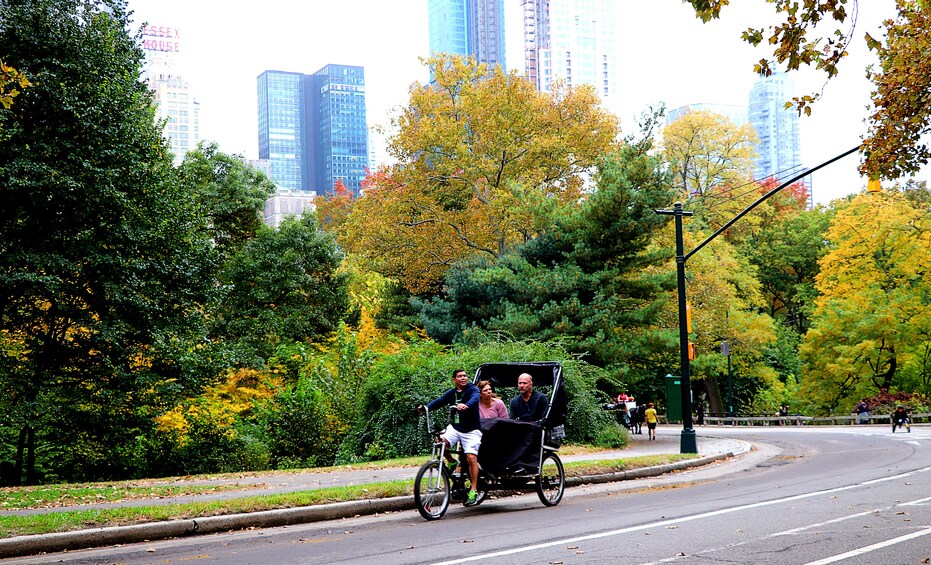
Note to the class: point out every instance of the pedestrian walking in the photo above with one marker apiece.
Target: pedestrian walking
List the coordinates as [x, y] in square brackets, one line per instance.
[650, 416]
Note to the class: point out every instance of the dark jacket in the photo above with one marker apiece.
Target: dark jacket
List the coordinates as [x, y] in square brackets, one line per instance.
[470, 396]
[530, 410]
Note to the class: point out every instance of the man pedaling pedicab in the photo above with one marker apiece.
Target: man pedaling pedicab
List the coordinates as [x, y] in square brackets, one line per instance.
[464, 428]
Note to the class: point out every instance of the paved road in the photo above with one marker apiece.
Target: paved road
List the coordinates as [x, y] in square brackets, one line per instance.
[803, 495]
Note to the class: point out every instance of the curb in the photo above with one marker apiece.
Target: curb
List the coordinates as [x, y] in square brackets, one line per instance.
[97, 537]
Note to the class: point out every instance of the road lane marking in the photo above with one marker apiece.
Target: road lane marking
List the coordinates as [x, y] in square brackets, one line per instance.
[918, 502]
[673, 521]
[794, 531]
[869, 548]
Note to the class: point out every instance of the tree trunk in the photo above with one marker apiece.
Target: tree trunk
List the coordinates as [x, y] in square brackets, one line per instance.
[20, 447]
[31, 478]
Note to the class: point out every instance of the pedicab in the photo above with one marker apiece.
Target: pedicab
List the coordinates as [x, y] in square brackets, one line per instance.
[513, 457]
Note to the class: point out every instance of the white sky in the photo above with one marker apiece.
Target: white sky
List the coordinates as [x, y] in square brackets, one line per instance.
[664, 53]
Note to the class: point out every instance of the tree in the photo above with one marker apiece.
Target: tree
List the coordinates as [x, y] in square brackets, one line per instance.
[104, 271]
[231, 193]
[582, 282]
[901, 114]
[871, 324]
[712, 168]
[485, 162]
[786, 253]
[707, 150]
[282, 287]
[333, 208]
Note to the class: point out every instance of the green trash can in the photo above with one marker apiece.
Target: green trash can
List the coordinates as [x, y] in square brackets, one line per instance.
[673, 398]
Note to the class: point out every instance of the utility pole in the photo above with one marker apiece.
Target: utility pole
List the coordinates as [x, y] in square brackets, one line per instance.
[688, 443]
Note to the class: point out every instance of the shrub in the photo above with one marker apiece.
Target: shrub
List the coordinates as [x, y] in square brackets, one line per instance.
[389, 426]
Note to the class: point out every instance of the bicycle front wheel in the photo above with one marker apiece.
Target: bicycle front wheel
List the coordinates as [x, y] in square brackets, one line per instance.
[431, 491]
[551, 482]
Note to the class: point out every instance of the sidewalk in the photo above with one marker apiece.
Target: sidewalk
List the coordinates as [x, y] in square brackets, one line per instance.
[710, 449]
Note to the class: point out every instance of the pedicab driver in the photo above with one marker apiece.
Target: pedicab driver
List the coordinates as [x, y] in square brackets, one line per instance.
[464, 427]
[528, 406]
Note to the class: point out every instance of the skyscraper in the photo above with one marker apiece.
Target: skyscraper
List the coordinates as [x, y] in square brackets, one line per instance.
[779, 150]
[468, 27]
[572, 40]
[281, 128]
[338, 133]
[175, 102]
[312, 128]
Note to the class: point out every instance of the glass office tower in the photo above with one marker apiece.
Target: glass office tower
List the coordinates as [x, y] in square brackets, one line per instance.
[281, 128]
[777, 127]
[312, 128]
[468, 27]
[571, 40]
[338, 131]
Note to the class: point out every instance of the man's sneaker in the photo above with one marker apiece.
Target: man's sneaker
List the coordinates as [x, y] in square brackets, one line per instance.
[471, 498]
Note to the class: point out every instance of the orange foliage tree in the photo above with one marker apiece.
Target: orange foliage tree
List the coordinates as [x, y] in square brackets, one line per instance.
[484, 161]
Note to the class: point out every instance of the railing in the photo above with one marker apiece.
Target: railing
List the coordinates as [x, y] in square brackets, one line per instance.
[798, 420]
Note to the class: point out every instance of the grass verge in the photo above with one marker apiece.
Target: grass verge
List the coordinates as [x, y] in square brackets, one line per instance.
[77, 518]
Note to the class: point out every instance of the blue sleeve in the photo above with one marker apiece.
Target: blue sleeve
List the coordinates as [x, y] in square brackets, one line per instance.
[447, 398]
[472, 397]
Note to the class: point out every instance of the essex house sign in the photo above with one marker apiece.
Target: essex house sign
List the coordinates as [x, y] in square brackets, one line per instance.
[161, 38]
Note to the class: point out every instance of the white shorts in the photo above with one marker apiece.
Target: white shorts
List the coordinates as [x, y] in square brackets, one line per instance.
[469, 440]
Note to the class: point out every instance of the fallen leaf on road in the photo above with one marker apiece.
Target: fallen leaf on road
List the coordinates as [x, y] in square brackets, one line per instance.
[572, 547]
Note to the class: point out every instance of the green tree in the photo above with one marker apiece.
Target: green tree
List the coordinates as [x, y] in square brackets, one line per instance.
[870, 327]
[283, 286]
[786, 253]
[231, 193]
[583, 282]
[103, 268]
[484, 162]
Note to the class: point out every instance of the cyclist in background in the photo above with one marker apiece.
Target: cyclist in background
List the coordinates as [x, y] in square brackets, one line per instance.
[899, 417]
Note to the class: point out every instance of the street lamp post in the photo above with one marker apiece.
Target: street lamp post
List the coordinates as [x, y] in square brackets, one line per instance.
[688, 443]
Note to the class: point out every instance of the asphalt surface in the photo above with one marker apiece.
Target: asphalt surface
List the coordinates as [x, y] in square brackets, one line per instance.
[710, 449]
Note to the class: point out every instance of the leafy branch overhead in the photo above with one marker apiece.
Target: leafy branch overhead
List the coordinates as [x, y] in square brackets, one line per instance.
[901, 112]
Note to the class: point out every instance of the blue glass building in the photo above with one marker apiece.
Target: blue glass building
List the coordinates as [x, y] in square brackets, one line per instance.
[338, 133]
[281, 127]
[468, 27]
[777, 127]
[312, 128]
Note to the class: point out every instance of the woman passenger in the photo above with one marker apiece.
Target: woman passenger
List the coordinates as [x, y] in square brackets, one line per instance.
[489, 405]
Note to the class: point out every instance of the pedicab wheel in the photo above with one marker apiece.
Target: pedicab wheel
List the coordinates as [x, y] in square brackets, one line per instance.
[551, 482]
[431, 491]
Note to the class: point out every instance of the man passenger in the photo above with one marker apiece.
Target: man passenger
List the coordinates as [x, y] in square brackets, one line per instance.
[529, 406]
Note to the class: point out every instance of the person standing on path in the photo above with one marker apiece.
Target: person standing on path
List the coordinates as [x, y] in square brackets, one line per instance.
[464, 428]
[863, 412]
[650, 416]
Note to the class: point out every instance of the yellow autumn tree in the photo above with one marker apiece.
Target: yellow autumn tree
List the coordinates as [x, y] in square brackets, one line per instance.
[871, 328]
[712, 163]
[484, 161]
